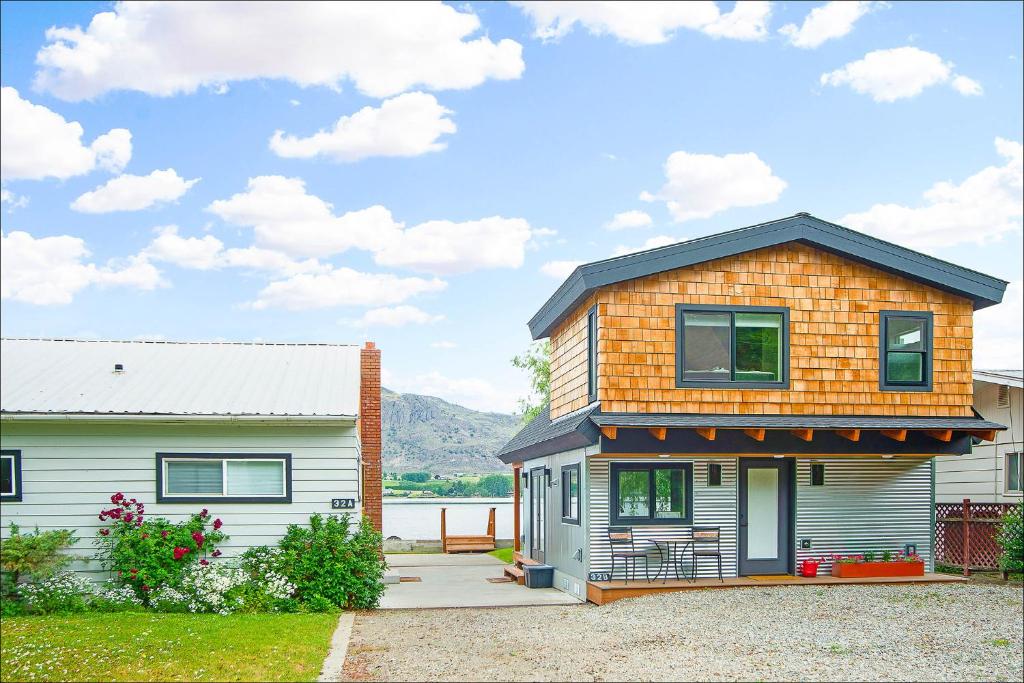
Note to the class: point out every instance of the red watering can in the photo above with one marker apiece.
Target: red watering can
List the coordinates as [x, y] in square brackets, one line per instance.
[809, 568]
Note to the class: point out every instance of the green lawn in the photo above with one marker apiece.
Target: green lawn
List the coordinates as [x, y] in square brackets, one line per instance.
[165, 647]
[503, 554]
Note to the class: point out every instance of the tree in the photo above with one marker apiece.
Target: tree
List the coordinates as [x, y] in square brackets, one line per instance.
[495, 485]
[537, 362]
[416, 477]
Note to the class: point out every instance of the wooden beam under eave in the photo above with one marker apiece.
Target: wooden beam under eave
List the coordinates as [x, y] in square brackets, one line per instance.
[984, 434]
[708, 433]
[755, 434]
[658, 433]
[804, 434]
[610, 432]
[849, 434]
[895, 434]
[940, 434]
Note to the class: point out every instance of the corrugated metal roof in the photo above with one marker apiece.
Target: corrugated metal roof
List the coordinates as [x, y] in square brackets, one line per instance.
[1011, 378]
[178, 378]
[789, 421]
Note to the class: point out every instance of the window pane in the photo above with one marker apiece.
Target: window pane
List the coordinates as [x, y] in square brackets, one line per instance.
[7, 476]
[905, 367]
[634, 494]
[193, 476]
[574, 494]
[706, 346]
[759, 347]
[669, 494]
[905, 334]
[255, 477]
[1013, 471]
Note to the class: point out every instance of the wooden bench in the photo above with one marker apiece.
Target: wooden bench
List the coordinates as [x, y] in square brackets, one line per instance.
[467, 544]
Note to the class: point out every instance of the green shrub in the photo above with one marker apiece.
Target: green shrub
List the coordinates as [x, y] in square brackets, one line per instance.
[149, 553]
[330, 560]
[1011, 540]
[10, 608]
[35, 556]
[61, 593]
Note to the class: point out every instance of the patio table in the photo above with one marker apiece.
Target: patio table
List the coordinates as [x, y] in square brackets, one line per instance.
[672, 553]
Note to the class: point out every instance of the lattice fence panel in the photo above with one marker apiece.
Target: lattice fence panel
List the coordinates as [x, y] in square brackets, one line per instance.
[984, 529]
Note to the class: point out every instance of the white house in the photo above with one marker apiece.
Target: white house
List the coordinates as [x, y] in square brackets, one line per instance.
[992, 471]
[263, 435]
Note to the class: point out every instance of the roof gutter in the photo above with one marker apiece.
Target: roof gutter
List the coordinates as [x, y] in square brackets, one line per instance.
[165, 418]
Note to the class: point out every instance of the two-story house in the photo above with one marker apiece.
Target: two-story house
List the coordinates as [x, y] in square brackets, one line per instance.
[788, 384]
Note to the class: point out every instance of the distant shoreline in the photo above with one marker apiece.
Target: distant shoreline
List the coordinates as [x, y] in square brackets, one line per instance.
[397, 500]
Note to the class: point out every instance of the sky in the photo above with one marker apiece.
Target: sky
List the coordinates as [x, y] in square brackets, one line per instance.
[425, 176]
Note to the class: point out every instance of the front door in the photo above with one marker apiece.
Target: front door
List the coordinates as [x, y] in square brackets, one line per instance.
[538, 503]
[766, 495]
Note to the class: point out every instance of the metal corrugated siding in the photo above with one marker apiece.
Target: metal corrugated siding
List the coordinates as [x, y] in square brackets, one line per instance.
[865, 504]
[712, 506]
[174, 378]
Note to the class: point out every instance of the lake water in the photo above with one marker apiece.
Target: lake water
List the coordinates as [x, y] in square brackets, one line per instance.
[420, 520]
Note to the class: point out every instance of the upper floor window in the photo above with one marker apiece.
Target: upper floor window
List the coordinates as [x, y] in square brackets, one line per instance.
[10, 476]
[738, 346]
[905, 350]
[592, 355]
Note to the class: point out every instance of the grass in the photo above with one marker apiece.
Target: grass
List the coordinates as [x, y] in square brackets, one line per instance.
[165, 647]
[503, 554]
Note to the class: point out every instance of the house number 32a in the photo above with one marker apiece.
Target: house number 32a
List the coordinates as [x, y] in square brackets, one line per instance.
[343, 503]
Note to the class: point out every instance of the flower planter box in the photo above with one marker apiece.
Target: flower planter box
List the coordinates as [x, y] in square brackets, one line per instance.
[863, 570]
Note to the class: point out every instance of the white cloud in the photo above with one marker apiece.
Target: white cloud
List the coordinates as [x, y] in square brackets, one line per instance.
[890, 75]
[134, 192]
[39, 143]
[343, 287]
[397, 316]
[471, 392]
[559, 269]
[14, 200]
[166, 48]
[999, 331]
[649, 243]
[701, 185]
[208, 253]
[981, 209]
[629, 219]
[444, 344]
[50, 270]
[828, 21]
[286, 218]
[405, 126]
[647, 23]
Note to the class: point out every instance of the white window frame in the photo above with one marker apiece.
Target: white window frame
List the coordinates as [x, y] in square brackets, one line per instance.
[14, 495]
[165, 459]
[1020, 472]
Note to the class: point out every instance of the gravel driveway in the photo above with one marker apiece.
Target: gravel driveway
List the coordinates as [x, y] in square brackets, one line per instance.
[923, 632]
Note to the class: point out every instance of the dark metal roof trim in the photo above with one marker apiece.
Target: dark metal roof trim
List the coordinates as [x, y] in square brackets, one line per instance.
[982, 289]
[543, 437]
[790, 421]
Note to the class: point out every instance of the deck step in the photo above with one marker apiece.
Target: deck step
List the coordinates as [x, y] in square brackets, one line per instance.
[516, 573]
[469, 547]
[521, 560]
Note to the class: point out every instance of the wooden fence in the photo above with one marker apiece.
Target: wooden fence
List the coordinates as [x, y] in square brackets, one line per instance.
[965, 534]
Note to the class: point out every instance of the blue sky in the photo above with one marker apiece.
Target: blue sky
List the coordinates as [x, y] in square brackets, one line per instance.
[488, 148]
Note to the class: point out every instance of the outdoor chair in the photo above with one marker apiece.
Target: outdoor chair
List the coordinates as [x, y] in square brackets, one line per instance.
[620, 538]
[704, 537]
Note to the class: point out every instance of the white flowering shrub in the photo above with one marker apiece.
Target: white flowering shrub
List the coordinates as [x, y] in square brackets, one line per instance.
[115, 597]
[63, 592]
[167, 599]
[213, 587]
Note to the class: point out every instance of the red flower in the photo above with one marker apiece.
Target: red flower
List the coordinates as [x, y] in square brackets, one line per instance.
[163, 534]
[180, 552]
[204, 513]
[117, 498]
[104, 532]
[144, 587]
[203, 562]
[216, 553]
[217, 524]
[129, 517]
[198, 538]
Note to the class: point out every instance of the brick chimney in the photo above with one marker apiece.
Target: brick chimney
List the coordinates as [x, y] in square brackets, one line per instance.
[369, 432]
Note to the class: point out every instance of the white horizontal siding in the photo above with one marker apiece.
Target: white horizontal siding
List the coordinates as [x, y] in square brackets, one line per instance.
[70, 472]
[712, 506]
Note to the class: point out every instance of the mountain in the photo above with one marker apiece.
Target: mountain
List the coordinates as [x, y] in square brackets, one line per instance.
[426, 433]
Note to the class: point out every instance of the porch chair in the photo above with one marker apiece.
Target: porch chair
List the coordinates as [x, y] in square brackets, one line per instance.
[620, 538]
[703, 538]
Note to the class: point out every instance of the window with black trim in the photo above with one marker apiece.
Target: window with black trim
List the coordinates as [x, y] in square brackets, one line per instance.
[817, 474]
[1013, 472]
[10, 476]
[733, 346]
[714, 474]
[224, 477]
[592, 355]
[571, 494]
[905, 350]
[652, 493]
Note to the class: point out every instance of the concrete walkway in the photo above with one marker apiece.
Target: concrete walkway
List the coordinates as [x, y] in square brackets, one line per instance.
[460, 581]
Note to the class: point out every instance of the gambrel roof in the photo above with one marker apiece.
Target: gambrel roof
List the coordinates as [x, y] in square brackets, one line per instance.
[982, 289]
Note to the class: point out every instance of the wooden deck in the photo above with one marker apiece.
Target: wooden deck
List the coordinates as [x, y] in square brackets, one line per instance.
[602, 592]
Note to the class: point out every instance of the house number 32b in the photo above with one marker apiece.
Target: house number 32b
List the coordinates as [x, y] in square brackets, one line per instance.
[343, 503]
